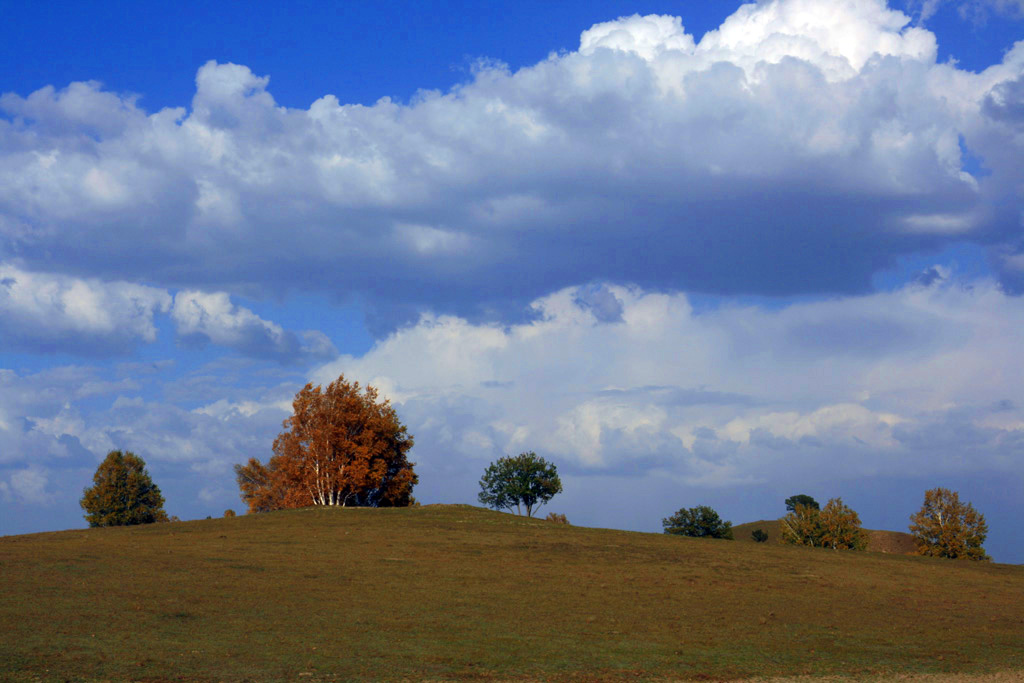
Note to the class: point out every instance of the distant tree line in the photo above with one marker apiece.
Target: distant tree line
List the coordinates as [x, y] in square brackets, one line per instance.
[343, 446]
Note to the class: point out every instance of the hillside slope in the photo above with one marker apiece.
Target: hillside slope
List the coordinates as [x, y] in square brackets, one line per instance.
[894, 542]
[456, 592]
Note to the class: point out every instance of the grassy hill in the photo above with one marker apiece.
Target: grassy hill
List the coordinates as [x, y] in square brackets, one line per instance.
[895, 542]
[457, 592]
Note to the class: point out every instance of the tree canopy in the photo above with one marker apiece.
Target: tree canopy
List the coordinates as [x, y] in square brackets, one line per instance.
[836, 526]
[697, 522]
[946, 527]
[524, 481]
[342, 446]
[122, 494]
[801, 499]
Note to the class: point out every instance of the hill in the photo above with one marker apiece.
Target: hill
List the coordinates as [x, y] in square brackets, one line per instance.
[894, 542]
[457, 592]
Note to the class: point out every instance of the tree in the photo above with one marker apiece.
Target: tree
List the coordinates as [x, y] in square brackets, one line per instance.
[801, 526]
[122, 493]
[759, 535]
[801, 499]
[945, 527]
[342, 446]
[525, 480]
[697, 522]
[837, 527]
[840, 527]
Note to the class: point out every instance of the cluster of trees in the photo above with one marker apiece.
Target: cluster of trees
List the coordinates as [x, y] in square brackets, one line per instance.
[944, 527]
[343, 446]
[837, 526]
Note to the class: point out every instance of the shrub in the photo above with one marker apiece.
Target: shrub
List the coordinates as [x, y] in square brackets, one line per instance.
[229, 513]
[698, 522]
[759, 535]
[557, 517]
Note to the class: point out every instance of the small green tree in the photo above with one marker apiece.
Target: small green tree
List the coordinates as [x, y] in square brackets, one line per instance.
[122, 493]
[759, 535]
[525, 480]
[697, 522]
[801, 499]
[945, 527]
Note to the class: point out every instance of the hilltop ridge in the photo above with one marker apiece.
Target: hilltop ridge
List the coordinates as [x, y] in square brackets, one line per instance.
[459, 592]
[879, 540]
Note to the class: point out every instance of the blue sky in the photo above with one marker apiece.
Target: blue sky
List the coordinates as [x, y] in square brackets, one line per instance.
[694, 253]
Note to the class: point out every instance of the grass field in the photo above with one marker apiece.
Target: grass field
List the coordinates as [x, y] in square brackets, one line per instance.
[457, 592]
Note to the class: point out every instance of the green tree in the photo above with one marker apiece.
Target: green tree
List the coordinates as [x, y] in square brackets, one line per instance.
[122, 493]
[945, 527]
[759, 535]
[801, 499]
[525, 480]
[697, 522]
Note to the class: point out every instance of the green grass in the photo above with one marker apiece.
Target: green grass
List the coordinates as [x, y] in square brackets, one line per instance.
[456, 592]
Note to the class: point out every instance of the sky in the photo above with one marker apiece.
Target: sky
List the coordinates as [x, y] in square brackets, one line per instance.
[692, 253]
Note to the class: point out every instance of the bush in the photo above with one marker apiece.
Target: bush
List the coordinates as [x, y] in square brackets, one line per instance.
[229, 513]
[557, 518]
[698, 522]
[759, 535]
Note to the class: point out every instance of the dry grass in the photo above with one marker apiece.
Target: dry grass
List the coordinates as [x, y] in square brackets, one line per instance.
[456, 592]
[893, 542]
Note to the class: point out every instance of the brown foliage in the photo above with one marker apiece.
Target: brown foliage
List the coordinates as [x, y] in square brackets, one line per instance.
[836, 526]
[340, 447]
[840, 527]
[945, 527]
[557, 518]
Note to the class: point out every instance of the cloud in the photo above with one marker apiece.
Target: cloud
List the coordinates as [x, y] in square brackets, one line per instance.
[43, 312]
[660, 405]
[202, 317]
[50, 312]
[977, 11]
[846, 388]
[27, 485]
[742, 163]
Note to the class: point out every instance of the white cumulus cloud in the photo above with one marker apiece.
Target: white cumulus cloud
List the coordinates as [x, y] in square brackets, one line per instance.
[795, 131]
[47, 311]
[851, 386]
[214, 318]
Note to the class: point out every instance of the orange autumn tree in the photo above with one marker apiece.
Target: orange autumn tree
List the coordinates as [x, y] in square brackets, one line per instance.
[342, 446]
